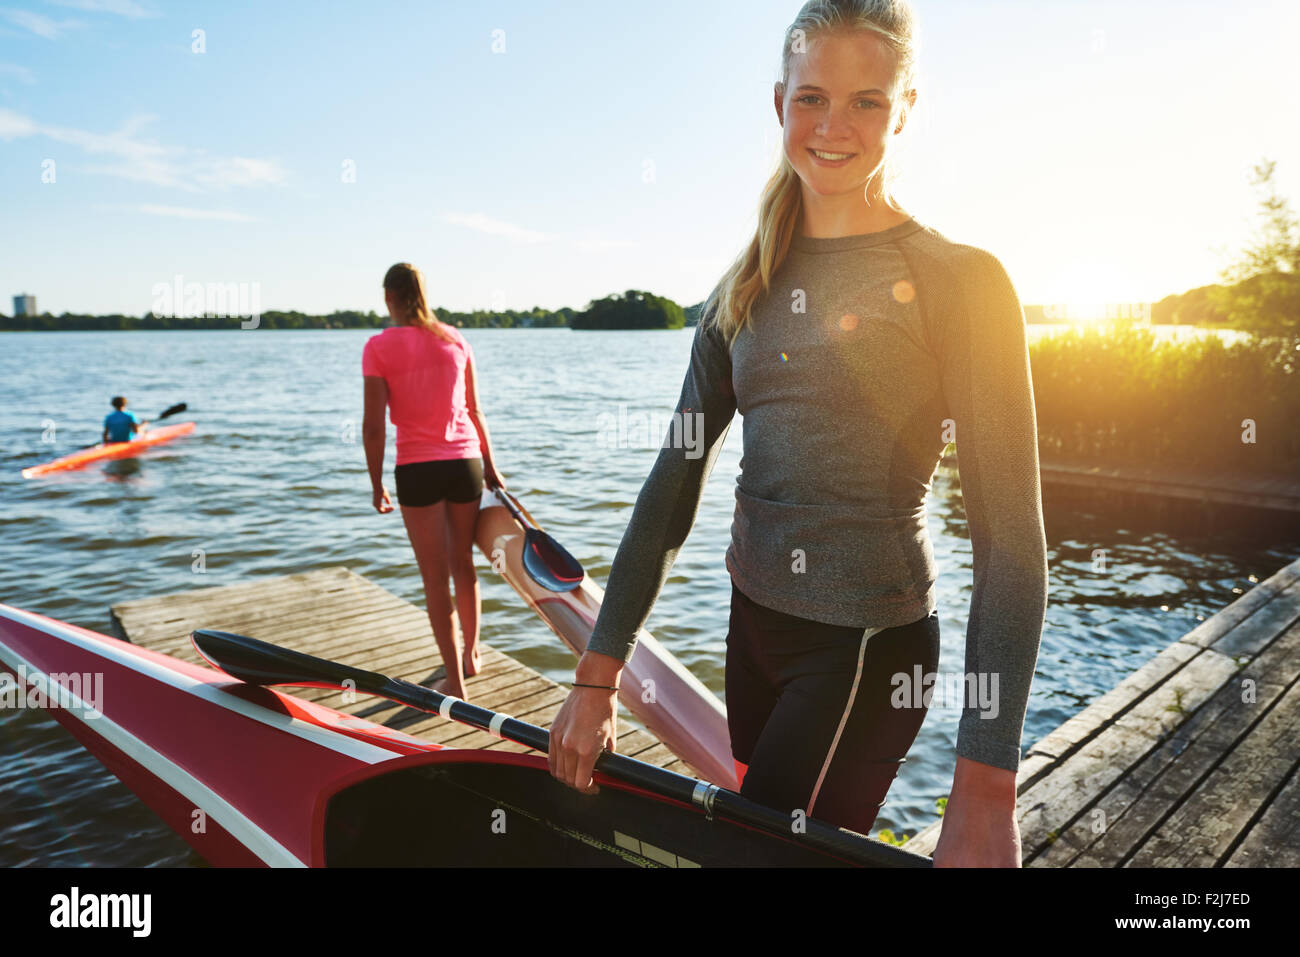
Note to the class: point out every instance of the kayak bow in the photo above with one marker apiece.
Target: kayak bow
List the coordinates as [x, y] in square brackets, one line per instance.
[112, 450]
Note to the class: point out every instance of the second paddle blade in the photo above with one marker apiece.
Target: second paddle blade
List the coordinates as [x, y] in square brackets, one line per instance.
[548, 564]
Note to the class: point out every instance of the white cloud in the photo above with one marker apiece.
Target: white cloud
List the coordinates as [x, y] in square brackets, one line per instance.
[150, 162]
[186, 212]
[14, 124]
[482, 223]
[237, 171]
[596, 243]
[495, 227]
[124, 8]
[13, 69]
[40, 25]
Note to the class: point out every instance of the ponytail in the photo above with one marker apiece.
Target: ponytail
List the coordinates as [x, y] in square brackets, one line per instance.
[406, 283]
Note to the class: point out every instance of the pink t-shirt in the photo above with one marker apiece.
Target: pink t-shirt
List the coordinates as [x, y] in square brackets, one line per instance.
[426, 392]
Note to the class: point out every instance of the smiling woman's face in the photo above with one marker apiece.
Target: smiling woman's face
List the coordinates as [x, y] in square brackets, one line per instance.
[836, 111]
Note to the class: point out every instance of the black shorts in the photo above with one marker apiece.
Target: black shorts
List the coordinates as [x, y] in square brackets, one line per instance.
[428, 483]
[809, 709]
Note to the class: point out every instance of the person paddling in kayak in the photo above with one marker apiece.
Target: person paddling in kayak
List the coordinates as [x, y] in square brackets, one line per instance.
[856, 343]
[121, 425]
[422, 371]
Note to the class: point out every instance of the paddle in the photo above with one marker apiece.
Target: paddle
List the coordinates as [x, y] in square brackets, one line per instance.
[261, 663]
[545, 559]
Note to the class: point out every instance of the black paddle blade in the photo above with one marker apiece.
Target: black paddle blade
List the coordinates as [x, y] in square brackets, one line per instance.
[178, 407]
[545, 560]
[548, 564]
[262, 663]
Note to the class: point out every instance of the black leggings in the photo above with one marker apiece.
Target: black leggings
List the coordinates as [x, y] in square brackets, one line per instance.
[809, 709]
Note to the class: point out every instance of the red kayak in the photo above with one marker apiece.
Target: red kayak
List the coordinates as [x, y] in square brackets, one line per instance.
[250, 776]
[112, 450]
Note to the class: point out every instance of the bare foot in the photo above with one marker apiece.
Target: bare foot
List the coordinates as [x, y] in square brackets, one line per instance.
[444, 686]
[472, 665]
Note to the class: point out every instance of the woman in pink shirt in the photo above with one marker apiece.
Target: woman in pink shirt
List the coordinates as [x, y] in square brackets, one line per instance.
[422, 370]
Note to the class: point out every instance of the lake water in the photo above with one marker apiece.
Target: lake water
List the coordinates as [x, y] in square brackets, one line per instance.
[274, 482]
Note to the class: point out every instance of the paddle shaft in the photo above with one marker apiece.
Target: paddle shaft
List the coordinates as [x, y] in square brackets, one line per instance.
[507, 500]
[714, 800]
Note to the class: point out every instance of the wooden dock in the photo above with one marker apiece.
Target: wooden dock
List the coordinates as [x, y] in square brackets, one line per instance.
[336, 614]
[1192, 761]
[1168, 483]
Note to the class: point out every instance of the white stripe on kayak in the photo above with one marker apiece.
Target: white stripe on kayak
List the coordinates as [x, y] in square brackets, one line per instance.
[267, 848]
[341, 743]
[848, 707]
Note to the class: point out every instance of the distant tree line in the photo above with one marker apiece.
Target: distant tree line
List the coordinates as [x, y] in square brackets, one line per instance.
[633, 310]
[268, 320]
[346, 319]
[1213, 306]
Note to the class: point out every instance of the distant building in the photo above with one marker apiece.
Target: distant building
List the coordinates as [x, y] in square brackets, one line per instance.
[24, 305]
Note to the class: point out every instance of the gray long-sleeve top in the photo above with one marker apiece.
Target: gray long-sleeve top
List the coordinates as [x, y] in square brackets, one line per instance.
[869, 354]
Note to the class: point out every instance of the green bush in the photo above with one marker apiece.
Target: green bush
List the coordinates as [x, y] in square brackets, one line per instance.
[1114, 396]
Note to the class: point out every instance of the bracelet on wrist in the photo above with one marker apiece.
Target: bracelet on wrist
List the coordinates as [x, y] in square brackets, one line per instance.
[602, 687]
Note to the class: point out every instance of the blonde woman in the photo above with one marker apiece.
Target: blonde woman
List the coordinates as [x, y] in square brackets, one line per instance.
[422, 370]
[856, 343]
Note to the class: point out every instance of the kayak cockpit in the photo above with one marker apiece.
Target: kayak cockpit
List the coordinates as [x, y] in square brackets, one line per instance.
[455, 809]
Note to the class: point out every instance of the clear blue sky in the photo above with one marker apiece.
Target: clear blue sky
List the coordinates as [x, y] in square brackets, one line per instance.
[1102, 150]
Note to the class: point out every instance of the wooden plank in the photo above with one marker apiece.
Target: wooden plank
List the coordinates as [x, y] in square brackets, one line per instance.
[322, 642]
[1219, 624]
[1100, 714]
[1055, 802]
[1203, 831]
[251, 617]
[1194, 485]
[410, 657]
[321, 582]
[1262, 626]
[257, 612]
[657, 754]
[1126, 815]
[405, 649]
[1274, 841]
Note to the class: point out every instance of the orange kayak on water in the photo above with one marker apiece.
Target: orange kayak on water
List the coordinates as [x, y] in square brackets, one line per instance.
[113, 450]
